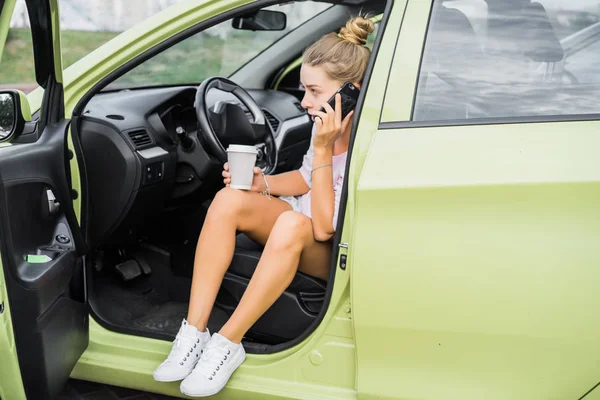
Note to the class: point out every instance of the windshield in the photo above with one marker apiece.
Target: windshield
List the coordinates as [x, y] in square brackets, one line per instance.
[219, 50]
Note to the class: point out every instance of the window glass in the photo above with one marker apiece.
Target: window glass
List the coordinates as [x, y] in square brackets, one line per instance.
[88, 24]
[372, 36]
[510, 58]
[17, 69]
[220, 50]
[85, 26]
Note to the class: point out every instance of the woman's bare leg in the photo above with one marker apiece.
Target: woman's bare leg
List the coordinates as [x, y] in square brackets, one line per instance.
[291, 243]
[231, 210]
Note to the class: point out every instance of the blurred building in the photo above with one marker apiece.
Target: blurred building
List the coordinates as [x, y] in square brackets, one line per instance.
[119, 15]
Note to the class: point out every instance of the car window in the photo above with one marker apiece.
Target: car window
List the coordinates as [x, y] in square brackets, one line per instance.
[219, 50]
[85, 26]
[517, 58]
[372, 36]
[17, 69]
[583, 62]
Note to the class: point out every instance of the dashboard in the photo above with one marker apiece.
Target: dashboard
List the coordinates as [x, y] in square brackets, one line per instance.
[136, 166]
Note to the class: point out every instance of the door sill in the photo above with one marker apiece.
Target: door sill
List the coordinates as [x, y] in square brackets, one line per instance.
[128, 361]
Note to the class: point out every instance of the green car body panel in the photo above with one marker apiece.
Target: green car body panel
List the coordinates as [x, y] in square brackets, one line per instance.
[594, 394]
[11, 385]
[468, 213]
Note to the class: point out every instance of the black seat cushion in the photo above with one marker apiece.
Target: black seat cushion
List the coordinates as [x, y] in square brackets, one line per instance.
[290, 315]
[245, 259]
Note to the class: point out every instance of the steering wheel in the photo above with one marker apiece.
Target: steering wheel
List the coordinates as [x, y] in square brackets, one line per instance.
[228, 124]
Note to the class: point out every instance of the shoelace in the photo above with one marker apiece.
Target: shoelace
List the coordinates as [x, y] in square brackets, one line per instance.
[211, 361]
[182, 349]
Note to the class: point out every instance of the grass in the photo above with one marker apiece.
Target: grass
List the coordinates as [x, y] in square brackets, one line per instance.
[197, 58]
[191, 60]
[16, 66]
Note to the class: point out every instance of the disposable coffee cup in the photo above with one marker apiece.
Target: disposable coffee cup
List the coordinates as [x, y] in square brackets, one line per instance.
[241, 161]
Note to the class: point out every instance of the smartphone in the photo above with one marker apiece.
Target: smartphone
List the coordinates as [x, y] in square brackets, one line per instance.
[349, 94]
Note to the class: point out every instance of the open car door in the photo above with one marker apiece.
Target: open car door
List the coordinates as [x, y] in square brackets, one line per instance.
[42, 278]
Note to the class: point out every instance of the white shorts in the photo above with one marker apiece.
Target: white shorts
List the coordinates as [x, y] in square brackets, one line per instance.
[294, 202]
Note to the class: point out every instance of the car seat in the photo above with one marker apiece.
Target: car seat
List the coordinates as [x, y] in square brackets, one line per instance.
[290, 315]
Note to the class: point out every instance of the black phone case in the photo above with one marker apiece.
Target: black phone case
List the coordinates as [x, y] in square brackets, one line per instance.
[349, 94]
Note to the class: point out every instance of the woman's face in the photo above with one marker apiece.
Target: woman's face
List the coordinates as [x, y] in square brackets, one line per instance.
[319, 88]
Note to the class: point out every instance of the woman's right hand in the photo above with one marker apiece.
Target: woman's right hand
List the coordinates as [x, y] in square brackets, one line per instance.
[329, 124]
[258, 183]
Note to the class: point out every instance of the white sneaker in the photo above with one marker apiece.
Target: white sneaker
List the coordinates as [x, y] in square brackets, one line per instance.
[185, 353]
[220, 359]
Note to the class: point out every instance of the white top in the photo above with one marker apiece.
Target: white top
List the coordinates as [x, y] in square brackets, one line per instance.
[302, 203]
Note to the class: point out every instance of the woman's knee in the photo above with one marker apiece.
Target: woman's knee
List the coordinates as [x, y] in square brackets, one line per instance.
[291, 231]
[227, 201]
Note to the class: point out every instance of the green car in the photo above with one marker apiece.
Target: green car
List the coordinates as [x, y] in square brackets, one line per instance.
[467, 252]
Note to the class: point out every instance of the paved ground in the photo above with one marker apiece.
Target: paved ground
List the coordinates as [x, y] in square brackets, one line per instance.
[82, 390]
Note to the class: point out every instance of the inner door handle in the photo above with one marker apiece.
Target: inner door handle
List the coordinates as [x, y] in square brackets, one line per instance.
[53, 204]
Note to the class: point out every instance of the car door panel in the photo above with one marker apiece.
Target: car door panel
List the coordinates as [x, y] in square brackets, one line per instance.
[41, 245]
[491, 276]
[592, 394]
[475, 242]
[47, 299]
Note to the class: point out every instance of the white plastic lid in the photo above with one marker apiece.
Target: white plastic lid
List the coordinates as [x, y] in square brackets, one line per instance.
[240, 148]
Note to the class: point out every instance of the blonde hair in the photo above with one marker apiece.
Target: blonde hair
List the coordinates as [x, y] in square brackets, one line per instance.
[343, 56]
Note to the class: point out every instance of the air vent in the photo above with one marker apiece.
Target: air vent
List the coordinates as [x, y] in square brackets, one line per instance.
[139, 138]
[274, 122]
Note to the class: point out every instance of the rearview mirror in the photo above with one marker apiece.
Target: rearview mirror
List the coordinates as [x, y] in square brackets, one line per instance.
[261, 20]
[14, 112]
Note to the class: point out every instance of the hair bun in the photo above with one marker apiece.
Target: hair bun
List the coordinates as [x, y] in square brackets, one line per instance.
[357, 30]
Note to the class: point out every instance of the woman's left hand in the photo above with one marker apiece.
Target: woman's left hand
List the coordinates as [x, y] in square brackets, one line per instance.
[330, 125]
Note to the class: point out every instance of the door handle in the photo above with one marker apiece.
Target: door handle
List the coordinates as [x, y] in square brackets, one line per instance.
[53, 204]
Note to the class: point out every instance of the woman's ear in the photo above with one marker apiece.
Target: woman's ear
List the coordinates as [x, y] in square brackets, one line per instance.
[356, 84]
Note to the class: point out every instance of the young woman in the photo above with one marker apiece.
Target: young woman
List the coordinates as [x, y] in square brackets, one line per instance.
[295, 226]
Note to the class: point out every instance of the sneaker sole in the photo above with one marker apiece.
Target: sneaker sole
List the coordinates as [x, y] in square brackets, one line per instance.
[171, 379]
[218, 389]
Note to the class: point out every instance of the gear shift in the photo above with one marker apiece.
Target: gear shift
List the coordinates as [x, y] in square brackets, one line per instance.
[186, 143]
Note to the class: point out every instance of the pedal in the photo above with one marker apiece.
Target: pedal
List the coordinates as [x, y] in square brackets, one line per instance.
[129, 270]
[144, 265]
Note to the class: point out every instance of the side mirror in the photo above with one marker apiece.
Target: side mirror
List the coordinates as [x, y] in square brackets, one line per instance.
[14, 113]
[261, 20]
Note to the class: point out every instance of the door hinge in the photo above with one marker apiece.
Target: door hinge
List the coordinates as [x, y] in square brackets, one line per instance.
[343, 256]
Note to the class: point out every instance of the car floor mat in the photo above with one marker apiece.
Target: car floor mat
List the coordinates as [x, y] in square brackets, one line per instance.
[143, 311]
[167, 318]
